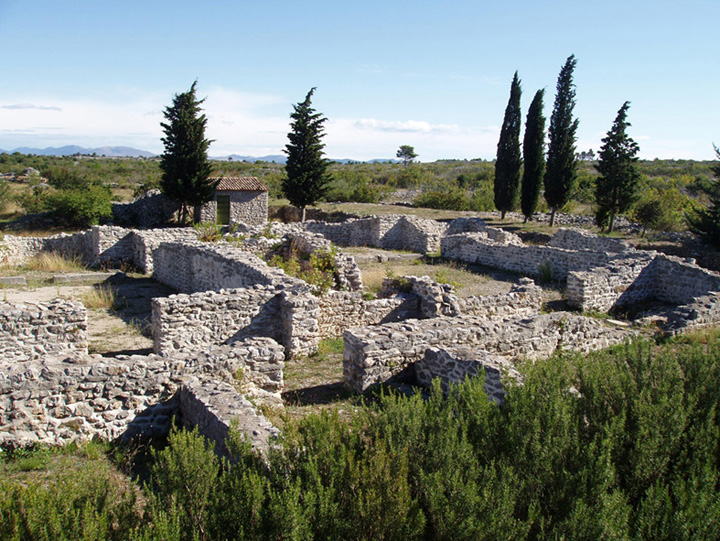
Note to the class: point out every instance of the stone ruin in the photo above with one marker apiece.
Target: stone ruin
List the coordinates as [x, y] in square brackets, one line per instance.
[225, 336]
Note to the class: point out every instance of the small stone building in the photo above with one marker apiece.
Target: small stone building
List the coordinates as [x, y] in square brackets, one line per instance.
[237, 200]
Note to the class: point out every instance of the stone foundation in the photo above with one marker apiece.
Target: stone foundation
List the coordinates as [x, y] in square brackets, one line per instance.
[377, 353]
[61, 399]
[33, 330]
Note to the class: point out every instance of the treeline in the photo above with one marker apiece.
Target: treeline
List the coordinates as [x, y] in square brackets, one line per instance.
[621, 444]
[445, 184]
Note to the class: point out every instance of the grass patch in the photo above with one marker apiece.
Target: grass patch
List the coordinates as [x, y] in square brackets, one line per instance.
[52, 262]
[101, 298]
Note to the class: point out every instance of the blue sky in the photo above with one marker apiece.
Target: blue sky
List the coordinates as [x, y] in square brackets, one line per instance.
[388, 73]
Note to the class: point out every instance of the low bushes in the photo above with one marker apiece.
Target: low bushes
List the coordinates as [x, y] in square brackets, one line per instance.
[622, 444]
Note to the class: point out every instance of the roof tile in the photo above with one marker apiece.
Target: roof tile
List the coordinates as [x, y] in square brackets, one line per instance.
[251, 184]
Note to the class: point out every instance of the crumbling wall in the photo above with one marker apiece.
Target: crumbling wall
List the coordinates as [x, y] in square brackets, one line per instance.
[375, 354]
[209, 318]
[340, 310]
[146, 242]
[582, 240]
[152, 209]
[390, 232]
[455, 365]
[32, 330]
[192, 267]
[98, 245]
[61, 399]
[509, 253]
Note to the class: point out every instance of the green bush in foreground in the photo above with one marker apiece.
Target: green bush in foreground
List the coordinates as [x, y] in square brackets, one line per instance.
[623, 444]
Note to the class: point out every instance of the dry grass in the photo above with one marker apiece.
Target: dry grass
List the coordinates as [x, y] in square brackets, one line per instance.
[99, 298]
[51, 262]
[468, 280]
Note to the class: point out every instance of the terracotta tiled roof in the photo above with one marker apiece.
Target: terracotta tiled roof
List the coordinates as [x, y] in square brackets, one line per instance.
[243, 184]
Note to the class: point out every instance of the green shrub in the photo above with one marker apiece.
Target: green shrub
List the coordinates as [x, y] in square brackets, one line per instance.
[81, 207]
[451, 199]
[208, 232]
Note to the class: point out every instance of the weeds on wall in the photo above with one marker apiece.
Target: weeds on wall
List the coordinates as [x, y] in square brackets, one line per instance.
[318, 269]
[208, 232]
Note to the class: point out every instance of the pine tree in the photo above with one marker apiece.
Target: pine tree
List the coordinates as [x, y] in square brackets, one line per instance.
[508, 161]
[616, 187]
[407, 154]
[706, 222]
[306, 180]
[560, 175]
[533, 156]
[185, 163]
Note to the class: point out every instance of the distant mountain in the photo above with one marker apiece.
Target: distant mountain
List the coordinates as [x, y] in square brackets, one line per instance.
[69, 150]
[277, 158]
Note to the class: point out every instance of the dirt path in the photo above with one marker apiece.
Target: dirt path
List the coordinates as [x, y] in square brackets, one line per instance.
[123, 329]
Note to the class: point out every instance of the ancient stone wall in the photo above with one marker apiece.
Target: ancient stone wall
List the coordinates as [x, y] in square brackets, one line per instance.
[61, 399]
[580, 239]
[455, 365]
[511, 254]
[377, 353]
[101, 244]
[523, 300]
[146, 242]
[340, 310]
[679, 281]
[152, 209]
[390, 232]
[33, 330]
[192, 267]
[199, 320]
[624, 281]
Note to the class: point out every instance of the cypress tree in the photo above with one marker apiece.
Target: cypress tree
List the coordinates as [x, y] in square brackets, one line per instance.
[616, 187]
[706, 222]
[306, 179]
[560, 174]
[185, 163]
[533, 156]
[508, 161]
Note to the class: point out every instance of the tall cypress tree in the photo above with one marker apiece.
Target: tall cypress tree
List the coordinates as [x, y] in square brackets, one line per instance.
[706, 221]
[616, 187]
[306, 179]
[560, 175]
[185, 163]
[533, 156]
[508, 161]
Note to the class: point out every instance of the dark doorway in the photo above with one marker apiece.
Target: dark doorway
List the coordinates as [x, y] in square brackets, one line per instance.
[223, 209]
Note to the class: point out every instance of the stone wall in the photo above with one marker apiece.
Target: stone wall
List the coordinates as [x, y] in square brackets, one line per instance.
[152, 209]
[246, 207]
[523, 300]
[192, 267]
[33, 330]
[377, 353]
[199, 320]
[61, 399]
[341, 310]
[390, 232]
[509, 253]
[347, 272]
[624, 281]
[452, 366]
[146, 242]
[662, 278]
[101, 244]
[582, 240]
